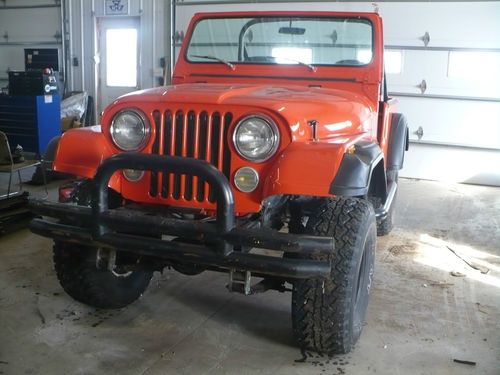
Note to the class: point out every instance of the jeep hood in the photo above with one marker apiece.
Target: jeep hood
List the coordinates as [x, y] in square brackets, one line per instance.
[337, 112]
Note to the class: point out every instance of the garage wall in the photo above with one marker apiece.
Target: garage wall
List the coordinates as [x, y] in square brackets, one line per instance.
[18, 31]
[42, 28]
[83, 53]
[459, 116]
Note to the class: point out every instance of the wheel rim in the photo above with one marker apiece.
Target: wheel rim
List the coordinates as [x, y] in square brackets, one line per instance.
[117, 270]
[121, 273]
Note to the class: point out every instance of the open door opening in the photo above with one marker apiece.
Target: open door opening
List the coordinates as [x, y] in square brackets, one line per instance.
[119, 51]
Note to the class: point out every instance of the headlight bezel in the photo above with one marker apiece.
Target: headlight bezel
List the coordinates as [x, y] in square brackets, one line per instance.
[276, 138]
[145, 124]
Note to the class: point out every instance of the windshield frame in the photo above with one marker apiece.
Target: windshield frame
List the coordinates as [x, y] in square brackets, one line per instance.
[273, 17]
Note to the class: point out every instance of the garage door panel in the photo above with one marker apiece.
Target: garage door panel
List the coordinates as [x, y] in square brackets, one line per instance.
[453, 164]
[466, 24]
[23, 26]
[462, 122]
[432, 67]
[447, 74]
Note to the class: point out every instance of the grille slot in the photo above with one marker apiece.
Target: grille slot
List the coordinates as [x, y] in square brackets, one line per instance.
[153, 187]
[194, 134]
[167, 143]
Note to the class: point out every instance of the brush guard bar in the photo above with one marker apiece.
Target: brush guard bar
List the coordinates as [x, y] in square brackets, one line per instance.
[112, 228]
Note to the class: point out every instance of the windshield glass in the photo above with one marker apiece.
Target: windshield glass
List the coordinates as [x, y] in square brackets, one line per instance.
[282, 40]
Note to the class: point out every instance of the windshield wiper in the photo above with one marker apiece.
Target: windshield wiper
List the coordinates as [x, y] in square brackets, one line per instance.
[209, 57]
[310, 66]
[277, 59]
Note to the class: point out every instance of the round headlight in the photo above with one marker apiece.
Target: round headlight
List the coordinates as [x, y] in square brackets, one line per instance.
[129, 130]
[256, 138]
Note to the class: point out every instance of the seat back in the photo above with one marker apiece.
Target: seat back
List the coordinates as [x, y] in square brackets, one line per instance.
[5, 154]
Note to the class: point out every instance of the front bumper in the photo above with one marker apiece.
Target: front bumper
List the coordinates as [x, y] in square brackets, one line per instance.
[112, 228]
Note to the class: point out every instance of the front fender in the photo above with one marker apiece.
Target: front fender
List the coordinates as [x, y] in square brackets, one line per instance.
[324, 169]
[305, 168]
[81, 151]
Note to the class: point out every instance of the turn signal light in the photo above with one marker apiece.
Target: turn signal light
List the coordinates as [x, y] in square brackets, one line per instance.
[246, 179]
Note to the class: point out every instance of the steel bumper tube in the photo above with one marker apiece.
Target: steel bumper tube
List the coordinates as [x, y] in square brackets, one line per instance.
[100, 226]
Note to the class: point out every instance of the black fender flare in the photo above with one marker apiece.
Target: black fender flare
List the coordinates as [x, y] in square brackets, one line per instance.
[47, 163]
[398, 142]
[355, 172]
[50, 152]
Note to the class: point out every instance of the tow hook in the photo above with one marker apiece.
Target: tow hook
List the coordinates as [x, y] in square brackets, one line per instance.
[241, 282]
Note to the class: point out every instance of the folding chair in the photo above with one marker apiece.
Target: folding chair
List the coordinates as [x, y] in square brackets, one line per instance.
[7, 165]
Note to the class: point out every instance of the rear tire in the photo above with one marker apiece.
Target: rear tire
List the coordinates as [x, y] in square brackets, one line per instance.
[328, 315]
[385, 226]
[79, 276]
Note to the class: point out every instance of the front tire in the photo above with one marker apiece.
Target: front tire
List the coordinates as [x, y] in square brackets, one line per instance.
[79, 276]
[328, 315]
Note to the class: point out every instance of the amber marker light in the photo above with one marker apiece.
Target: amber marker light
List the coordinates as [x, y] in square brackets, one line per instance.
[246, 179]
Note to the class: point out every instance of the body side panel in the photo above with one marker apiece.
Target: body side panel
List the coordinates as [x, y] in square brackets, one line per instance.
[387, 110]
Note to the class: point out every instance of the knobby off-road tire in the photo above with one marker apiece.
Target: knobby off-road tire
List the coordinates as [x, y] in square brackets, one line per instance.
[79, 276]
[77, 271]
[328, 315]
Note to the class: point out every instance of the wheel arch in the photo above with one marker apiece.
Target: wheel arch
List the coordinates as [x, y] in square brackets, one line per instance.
[398, 142]
[361, 172]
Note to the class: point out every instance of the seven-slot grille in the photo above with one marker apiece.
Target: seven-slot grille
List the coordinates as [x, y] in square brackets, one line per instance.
[201, 135]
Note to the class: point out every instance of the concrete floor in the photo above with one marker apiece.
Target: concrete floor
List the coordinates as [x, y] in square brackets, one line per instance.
[420, 317]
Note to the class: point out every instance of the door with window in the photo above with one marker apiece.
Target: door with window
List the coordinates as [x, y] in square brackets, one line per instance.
[118, 70]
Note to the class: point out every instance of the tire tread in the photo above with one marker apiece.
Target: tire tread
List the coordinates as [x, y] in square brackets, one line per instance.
[79, 277]
[320, 308]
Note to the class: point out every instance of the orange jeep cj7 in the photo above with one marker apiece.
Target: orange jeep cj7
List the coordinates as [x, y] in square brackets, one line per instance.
[273, 155]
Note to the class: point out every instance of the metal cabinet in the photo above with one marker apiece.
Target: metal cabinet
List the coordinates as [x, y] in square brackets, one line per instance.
[30, 121]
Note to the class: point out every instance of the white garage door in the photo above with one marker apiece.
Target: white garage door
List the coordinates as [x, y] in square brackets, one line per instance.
[444, 67]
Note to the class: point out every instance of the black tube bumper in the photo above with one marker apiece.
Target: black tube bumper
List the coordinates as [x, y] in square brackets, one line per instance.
[99, 226]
